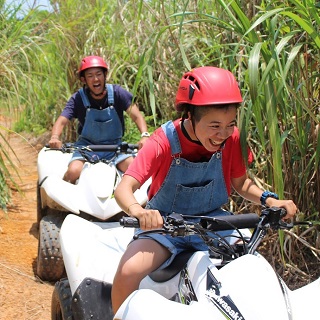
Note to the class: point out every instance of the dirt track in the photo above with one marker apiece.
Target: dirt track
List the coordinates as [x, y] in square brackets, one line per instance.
[22, 295]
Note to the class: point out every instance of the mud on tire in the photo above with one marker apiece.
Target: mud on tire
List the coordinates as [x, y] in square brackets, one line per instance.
[61, 301]
[50, 266]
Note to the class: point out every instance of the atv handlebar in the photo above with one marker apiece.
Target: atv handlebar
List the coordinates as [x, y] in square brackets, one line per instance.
[228, 222]
[123, 147]
[87, 151]
[270, 217]
[206, 227]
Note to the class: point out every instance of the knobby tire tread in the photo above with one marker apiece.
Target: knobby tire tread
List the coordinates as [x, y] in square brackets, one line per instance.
[61, 301]
[50, 266]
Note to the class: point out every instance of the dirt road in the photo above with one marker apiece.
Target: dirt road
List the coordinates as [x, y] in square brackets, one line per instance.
[22, 295]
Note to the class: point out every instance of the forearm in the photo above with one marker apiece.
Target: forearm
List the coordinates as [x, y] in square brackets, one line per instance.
[137, 118]
[55, 141]
[141, 124]
[124, 195]
[249, 190]
[58, 127]
[148, 218]
[127, 204]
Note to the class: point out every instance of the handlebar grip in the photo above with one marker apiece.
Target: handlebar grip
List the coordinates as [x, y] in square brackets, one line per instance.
[129, 222]
[230, 222]
[133, 146]
[123, 147]
[103, 147]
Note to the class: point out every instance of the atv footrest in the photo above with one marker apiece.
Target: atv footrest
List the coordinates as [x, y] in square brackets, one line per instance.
[92, 300]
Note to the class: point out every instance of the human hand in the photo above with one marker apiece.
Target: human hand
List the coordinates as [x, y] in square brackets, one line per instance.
[142, 142]
[148, 219]
[289, 205]
[54, 142]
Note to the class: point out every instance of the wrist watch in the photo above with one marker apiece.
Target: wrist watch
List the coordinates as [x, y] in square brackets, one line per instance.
[145, 134]
[267, 194]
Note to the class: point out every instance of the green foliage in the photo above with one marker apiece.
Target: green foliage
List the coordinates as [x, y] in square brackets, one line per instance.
[5, 176]
[132, 134]
[271, 46]
[5, 192]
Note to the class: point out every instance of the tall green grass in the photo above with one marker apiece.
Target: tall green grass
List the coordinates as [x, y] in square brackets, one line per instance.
[272, 47]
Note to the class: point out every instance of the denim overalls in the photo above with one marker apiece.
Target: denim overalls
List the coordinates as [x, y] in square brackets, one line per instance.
[193, 188]
[101, 127]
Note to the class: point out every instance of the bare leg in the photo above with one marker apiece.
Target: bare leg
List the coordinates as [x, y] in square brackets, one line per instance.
[123, 165]
[73, 172]
[141, 257]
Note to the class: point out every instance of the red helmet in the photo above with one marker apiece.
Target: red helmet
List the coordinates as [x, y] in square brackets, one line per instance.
[207, 86]
[92, 62]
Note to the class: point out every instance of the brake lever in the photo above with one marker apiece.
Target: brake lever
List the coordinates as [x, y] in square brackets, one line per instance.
[303, 223]
[168, 228]
[286, 225]
[85, 148]
[160, 231]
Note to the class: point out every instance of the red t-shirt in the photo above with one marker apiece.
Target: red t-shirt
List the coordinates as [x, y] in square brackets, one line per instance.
[154, 159]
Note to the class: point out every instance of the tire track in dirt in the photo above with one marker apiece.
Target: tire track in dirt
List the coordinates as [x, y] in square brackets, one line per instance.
[22, 295]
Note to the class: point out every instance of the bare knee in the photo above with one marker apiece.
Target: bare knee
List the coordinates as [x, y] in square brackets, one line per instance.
[73, 172]
[123, 165]
[131, 273]
[126, 281]
[142, 257]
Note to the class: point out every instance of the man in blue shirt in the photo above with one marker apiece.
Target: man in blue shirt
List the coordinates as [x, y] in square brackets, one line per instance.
[99, 108]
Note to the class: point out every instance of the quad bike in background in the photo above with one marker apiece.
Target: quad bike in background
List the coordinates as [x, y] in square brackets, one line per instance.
[91, 197]
[229, 281]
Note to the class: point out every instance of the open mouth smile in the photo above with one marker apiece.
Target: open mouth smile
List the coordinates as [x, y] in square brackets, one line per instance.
[215, 143]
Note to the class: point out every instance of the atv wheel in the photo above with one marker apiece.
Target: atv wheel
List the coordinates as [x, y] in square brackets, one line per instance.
[50, 266]
[61, 301]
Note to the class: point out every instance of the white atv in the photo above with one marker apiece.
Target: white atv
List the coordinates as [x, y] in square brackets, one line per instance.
[91, 197]
[230, 281]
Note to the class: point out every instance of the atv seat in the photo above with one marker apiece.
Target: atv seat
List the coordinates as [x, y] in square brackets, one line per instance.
[175, 267]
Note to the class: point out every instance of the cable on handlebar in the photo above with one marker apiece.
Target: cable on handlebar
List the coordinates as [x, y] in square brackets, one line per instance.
[176, 225]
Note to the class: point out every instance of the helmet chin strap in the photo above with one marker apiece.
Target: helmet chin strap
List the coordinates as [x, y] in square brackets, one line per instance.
[193, 125]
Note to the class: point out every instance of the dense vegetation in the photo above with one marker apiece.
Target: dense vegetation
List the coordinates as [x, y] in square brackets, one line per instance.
[271, 46]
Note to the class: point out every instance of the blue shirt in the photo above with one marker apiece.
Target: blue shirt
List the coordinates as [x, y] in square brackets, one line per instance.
[75, 108]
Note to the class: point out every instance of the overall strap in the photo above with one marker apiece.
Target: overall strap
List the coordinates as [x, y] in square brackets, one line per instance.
[172, 136]
[110, 94]
[84, 98]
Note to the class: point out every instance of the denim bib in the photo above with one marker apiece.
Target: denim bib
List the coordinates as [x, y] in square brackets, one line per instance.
[102, 126]
[193, 188]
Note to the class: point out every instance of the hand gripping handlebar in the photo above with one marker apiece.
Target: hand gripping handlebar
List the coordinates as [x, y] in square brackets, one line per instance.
[227, 222]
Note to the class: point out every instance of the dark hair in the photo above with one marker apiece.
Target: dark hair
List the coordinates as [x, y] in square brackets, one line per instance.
[197, 112]
[82, 73]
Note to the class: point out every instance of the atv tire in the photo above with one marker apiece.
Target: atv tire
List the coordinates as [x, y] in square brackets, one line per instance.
[50, 266]
[61, 301]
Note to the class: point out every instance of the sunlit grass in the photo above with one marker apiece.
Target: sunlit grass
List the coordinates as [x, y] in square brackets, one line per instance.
[148, 45]
[272, 47]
